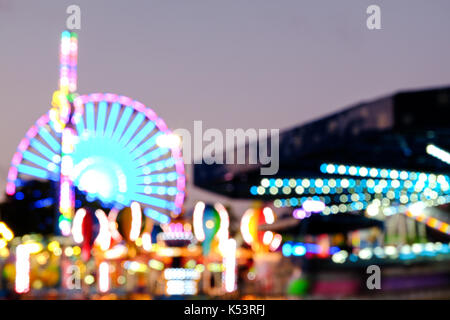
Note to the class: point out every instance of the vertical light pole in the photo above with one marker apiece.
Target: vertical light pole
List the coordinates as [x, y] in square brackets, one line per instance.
[60, 116]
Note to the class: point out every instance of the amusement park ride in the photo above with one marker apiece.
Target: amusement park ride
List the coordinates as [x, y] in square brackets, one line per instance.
[126, 168]
[111, 147]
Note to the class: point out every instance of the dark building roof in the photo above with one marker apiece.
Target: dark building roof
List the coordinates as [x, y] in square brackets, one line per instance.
[390, 132]
[319, 224]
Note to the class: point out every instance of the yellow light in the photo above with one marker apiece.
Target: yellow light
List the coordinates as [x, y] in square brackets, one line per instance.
[245, 226]
[37, 284]
[53, 245]
[200, 268]
[187, 227]
[89, 279]
[169, 252]
[116, 252]
[57, 251]
[76, 250]
[155, 264]
[6, 232]
[33, 247]
[210, 224]
[215, 267]
[56, 99]
[4, 252]
[41, 259]
[68, 251]
[2, 243]
[191, 264]
[137, 267]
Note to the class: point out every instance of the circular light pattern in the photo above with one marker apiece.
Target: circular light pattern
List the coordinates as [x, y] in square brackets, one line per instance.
[404, 252]
[260, 240]
[116, 158]
[210, 222]
[378, 191]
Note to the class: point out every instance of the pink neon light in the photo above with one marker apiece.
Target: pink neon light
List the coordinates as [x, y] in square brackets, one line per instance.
[63, 60]
[10, 188]
[96, 97]
[179, 198]
[43, 120]
[179, 164]
[85, 99]
[16, 158]
[73, 48]
[176, 153]
[151, 114]
[68, 63]
[12, 174]
[31, 133]
[181, 183]
[64, 71]
[299, 214]
[161, 124]
[111, 97]
[124, 100]
[138, 106]
[23, 145]
[78, 102]
[73, 81]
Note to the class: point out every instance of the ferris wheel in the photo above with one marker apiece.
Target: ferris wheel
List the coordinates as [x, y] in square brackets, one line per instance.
[121, 153]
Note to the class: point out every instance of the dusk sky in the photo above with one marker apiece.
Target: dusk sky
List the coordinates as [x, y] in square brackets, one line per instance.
[232, 64]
